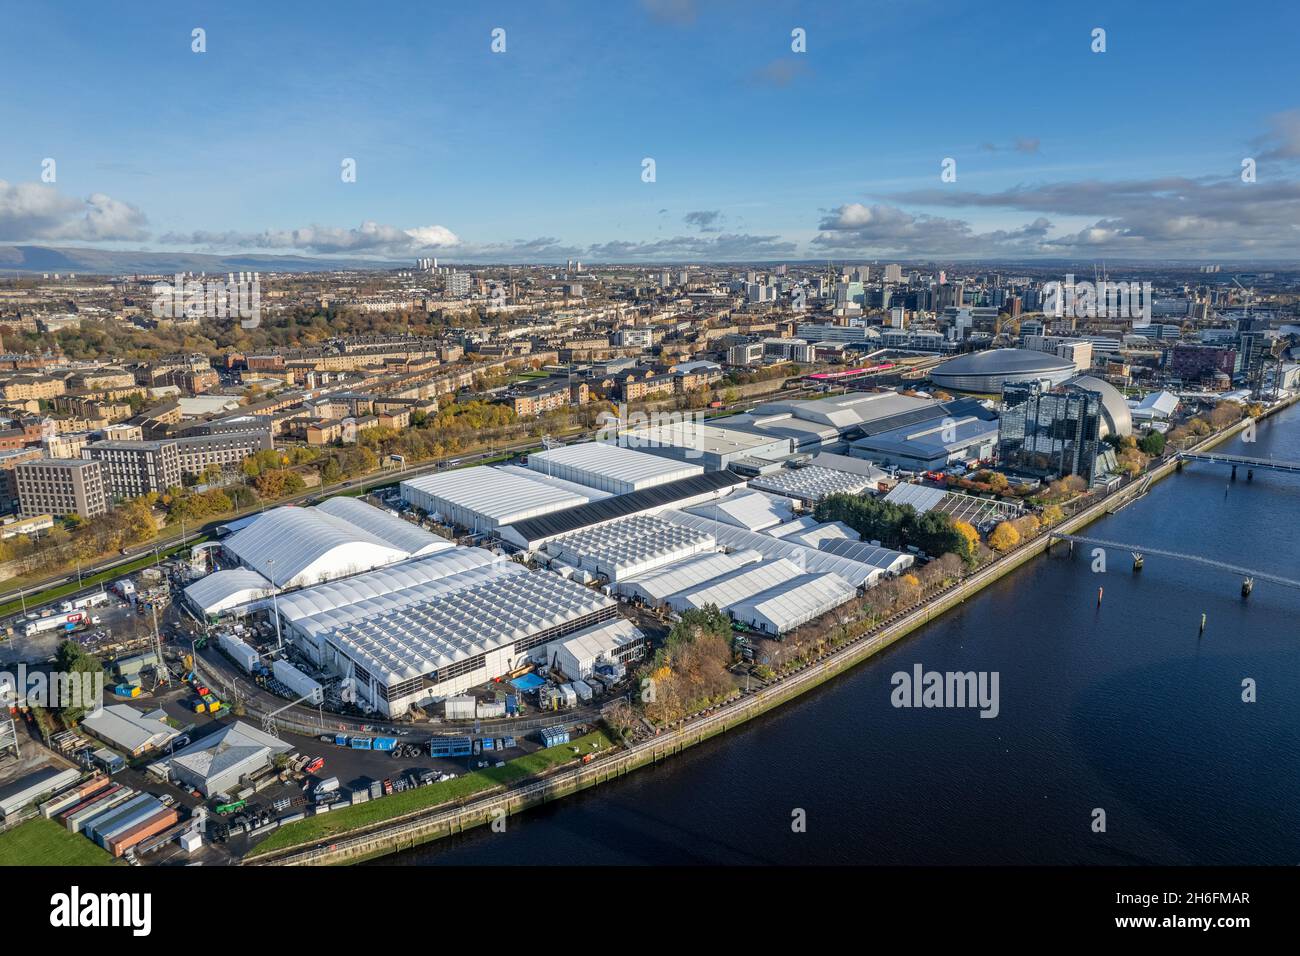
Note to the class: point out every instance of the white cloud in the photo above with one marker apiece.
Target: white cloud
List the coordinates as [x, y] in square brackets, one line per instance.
[36, 212]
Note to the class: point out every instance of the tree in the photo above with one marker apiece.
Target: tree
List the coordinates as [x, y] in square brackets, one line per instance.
[1052, 514]
[1004, 537]
[72, 659]
[1152, 443]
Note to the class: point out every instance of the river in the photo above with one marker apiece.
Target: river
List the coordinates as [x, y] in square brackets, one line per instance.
[1123, 707]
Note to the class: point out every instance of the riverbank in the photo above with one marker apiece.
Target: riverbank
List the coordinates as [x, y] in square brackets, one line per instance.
[452, 820]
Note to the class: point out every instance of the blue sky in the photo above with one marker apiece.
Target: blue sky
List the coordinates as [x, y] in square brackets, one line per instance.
[536, 153]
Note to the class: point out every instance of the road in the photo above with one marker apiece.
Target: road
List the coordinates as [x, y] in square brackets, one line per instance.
[377, 479]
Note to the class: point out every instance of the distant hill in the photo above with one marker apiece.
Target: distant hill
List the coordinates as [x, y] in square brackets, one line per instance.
[112, 262]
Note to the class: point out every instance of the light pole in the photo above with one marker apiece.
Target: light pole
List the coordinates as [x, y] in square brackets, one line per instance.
[275, 603]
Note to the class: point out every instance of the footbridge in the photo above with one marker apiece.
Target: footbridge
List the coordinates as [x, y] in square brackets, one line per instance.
[1248, 575]
[1240, 461]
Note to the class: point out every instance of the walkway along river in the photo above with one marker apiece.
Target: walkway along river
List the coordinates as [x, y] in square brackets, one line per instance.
[1123, 707]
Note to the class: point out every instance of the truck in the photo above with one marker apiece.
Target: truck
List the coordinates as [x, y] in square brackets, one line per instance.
[56, 622]
[97, 599]
[328, 785]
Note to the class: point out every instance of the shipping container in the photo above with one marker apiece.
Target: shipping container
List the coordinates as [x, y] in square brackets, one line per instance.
[341, 739]
[450, 747]
[584, 691]
[297, 682]
[459, 708]
[491, 708]
[488, 744]
[385, 743]
[361, 743]
[238, 651]
[161, 820]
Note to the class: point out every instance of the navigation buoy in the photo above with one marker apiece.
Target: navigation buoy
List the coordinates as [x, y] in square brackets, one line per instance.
[1099, 593]
[1202, 621]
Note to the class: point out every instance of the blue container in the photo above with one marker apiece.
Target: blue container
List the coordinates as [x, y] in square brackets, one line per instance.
[512, 704]
[507, 743]
[341, 740]
[385, 743]
[362, 743]
[487, 744]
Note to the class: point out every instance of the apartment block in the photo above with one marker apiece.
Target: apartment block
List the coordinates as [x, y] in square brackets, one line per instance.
[135, 468]
[61, 486]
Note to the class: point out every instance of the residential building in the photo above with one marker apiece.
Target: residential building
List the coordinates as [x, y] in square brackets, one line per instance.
[61, 486]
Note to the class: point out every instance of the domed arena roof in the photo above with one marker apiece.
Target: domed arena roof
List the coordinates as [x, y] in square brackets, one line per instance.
[1114, 409]
[988, 371]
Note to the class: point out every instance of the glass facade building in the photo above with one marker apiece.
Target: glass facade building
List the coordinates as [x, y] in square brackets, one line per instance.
[1052, 433]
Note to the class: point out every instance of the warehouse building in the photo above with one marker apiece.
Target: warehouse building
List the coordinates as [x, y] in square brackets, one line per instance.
[753, 510]
[812, 483]
[129, 730]
[443, 647]
[713, 446]
[434, 626]
[932, 445]
[635, 545]
[655, 587]
[857, 573]
[218, 762]
[772, 596]
[482, 499]
[533, 533]
[610, 468]
[618, 641]
[229, 591]
[294, 547]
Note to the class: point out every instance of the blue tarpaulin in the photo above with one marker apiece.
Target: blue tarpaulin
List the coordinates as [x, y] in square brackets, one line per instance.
[528, 682]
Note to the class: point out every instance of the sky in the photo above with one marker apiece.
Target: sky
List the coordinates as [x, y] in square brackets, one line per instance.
[537, 153]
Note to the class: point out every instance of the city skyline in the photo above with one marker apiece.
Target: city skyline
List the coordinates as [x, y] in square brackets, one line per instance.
[536, 153]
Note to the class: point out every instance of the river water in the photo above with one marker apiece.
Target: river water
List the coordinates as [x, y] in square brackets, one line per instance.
[1123, 707]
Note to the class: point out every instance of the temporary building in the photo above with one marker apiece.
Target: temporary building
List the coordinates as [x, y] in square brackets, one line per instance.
[610, 467]
[484, 498]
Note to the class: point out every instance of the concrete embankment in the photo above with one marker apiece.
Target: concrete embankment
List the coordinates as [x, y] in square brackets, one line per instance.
[434, 824]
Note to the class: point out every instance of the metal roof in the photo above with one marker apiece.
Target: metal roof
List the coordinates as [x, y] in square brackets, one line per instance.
[327, 606]
[787, 605]
[617, 506]
[886, 559]
[810, 559]
[420, 639]
[812, 483]
[735, 586]
[920, 497]
[590, 462]
[655, 586]
[754, 510]
[500, 496]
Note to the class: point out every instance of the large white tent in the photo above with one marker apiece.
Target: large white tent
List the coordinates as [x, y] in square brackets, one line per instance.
[484, 498]
[292, 546]
[610, 467]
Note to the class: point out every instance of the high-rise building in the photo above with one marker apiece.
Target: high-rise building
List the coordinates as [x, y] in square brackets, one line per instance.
[1053, 433]
[61, 486]
[135, 468]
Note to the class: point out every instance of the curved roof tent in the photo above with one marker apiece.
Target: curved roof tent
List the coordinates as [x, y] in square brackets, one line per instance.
[296, 546]
[1115, 414]
[410, 538]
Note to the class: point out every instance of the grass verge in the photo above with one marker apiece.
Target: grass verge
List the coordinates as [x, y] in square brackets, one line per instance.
[337, 822]
[41, 842]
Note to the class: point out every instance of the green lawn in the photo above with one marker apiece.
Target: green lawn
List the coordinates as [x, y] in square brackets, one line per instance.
[42, 842]
[316, 828]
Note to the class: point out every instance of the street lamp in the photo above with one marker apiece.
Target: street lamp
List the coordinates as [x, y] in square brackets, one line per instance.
[275, 603]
